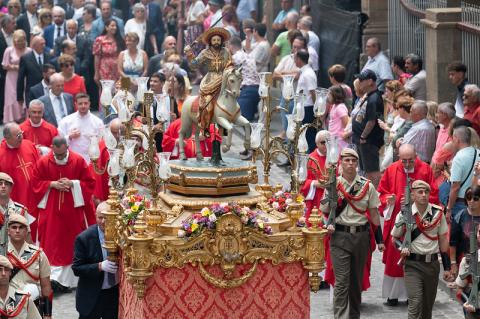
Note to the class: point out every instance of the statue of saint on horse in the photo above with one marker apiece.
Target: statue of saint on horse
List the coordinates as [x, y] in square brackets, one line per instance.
[218, 93]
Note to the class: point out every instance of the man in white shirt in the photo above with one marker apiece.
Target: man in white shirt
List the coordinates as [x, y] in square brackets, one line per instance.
[261, 49]
[305, 25]
[307, 84]
[378, 63]
[79, 127]
[417, 84]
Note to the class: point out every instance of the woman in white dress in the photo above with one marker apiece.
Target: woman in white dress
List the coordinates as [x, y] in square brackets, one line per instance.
[139, 25]
[132, 62]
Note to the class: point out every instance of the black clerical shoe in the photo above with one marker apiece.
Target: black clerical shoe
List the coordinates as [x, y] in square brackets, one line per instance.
[391, 302]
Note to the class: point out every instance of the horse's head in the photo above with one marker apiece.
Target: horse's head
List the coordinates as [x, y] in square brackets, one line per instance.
[232, 80]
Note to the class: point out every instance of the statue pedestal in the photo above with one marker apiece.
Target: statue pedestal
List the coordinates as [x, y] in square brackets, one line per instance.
[274, 291]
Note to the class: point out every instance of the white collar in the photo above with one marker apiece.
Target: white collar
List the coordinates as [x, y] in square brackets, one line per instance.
[63, 161]
[36, 125]
[53, 96]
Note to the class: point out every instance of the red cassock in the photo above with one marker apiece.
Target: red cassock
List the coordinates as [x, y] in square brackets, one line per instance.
[101, 181]
[41, 135]
[393, 182]
[171, 135]
[60, 222]
[19, 163]
[314, 174]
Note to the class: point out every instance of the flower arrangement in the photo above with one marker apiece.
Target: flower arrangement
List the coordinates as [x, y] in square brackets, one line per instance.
[208, 216]
[133, 205]
[280, 200]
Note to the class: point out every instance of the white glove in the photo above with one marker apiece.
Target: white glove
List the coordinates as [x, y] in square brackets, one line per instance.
[109, 266]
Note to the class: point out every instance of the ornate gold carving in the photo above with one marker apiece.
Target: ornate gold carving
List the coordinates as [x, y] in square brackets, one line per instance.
[210, 169]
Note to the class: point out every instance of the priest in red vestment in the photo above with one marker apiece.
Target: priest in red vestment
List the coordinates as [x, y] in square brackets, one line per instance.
[36, 129]
[17, 158]
[392, 190]
[311, 190]
[65, 185]
[170, 141]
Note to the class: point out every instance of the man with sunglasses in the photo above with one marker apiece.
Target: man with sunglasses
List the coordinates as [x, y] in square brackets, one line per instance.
[17, 159]
[392, 190]
[350, 236]
[429, 237]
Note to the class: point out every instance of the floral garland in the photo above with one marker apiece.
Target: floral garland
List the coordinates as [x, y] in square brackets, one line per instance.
[280, 200]
[208, 216]
[133, 205]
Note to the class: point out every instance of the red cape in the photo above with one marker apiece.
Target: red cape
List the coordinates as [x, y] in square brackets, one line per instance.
[19, 164]
[42, 135]
[171, 135]
[393, 182]
[313, 175]
[60, 223]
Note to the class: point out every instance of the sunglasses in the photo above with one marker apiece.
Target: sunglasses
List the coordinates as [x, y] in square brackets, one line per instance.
[66, 65]
[469, 196]
[12, 7]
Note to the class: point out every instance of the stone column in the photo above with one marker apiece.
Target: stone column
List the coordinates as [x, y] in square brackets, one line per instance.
[443, 45]
[377, 24]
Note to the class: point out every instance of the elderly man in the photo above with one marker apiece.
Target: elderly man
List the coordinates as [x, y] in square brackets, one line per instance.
[471, 102]
[14, 303]
[64, 185]
[36, 129]
[417, 84]
[97, 293]
[445, 114]
[429, 240]
[305, 25]
[456, 74]
[56, 30]
[70, 48]
[30, 68]
[80, 126]
[57, 104]
[17, 158]
[422, 133]
[155, 63]
[33, 275]
[378, 63]
[392, 190]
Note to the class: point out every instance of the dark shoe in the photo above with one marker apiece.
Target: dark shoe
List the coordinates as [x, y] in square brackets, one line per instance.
[392, 302]
[59, 288]
[247, 156]
[245, 152]
[284, 164]
[324, 285]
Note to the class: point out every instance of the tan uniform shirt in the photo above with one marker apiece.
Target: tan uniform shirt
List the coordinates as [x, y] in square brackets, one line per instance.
[349, 216]
[39, 268]
[13, 304]
[462, 270]
[422, 244]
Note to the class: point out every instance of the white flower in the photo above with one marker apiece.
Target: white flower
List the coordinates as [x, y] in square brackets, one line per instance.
[275, 205]
[279, 193]
[223, 205]
[212, 218]
[288, 201]
[244, 219]
[181, 233]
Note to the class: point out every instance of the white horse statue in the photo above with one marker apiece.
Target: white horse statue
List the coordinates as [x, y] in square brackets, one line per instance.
[226, 113]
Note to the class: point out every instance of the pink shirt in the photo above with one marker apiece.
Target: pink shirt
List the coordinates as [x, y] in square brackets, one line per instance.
[335, 126]
[442, 138]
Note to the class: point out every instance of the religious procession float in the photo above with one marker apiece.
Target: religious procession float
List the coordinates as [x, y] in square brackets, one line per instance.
[201, 238]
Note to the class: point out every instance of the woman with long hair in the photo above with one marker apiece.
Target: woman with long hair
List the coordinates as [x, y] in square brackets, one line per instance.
[13, 111]
[106, 50]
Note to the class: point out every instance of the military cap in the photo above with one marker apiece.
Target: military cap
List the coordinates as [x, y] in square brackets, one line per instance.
[346, 152]
[17, 218]
[420, 184]
[6, 177]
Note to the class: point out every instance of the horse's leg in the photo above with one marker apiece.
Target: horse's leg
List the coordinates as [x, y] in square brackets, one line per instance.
[197, 143]
[248, 130]
[181, 145]
[228, 126]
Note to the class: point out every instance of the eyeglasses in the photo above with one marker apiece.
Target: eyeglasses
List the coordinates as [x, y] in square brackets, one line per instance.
[2, 182]
[408, 161]
[66, 65]
[46, 16]
[469, 196]
[19, 134]
[13, 6]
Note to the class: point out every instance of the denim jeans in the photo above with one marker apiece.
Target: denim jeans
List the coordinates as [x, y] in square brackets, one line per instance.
[248, 101]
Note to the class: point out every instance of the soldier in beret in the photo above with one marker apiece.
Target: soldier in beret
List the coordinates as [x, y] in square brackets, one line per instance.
[428, 237]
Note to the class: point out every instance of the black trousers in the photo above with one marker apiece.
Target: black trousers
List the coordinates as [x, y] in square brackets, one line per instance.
[106, 306]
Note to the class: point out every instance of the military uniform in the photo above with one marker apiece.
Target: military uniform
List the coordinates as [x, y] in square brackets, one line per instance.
[12, 208]
[32, 264]
[350, 243]
[18, 305]
[421, 266]
[465, 285]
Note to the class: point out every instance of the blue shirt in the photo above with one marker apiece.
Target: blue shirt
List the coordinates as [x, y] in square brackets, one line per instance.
[462, 162]
[98, 26]
[282, 15]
